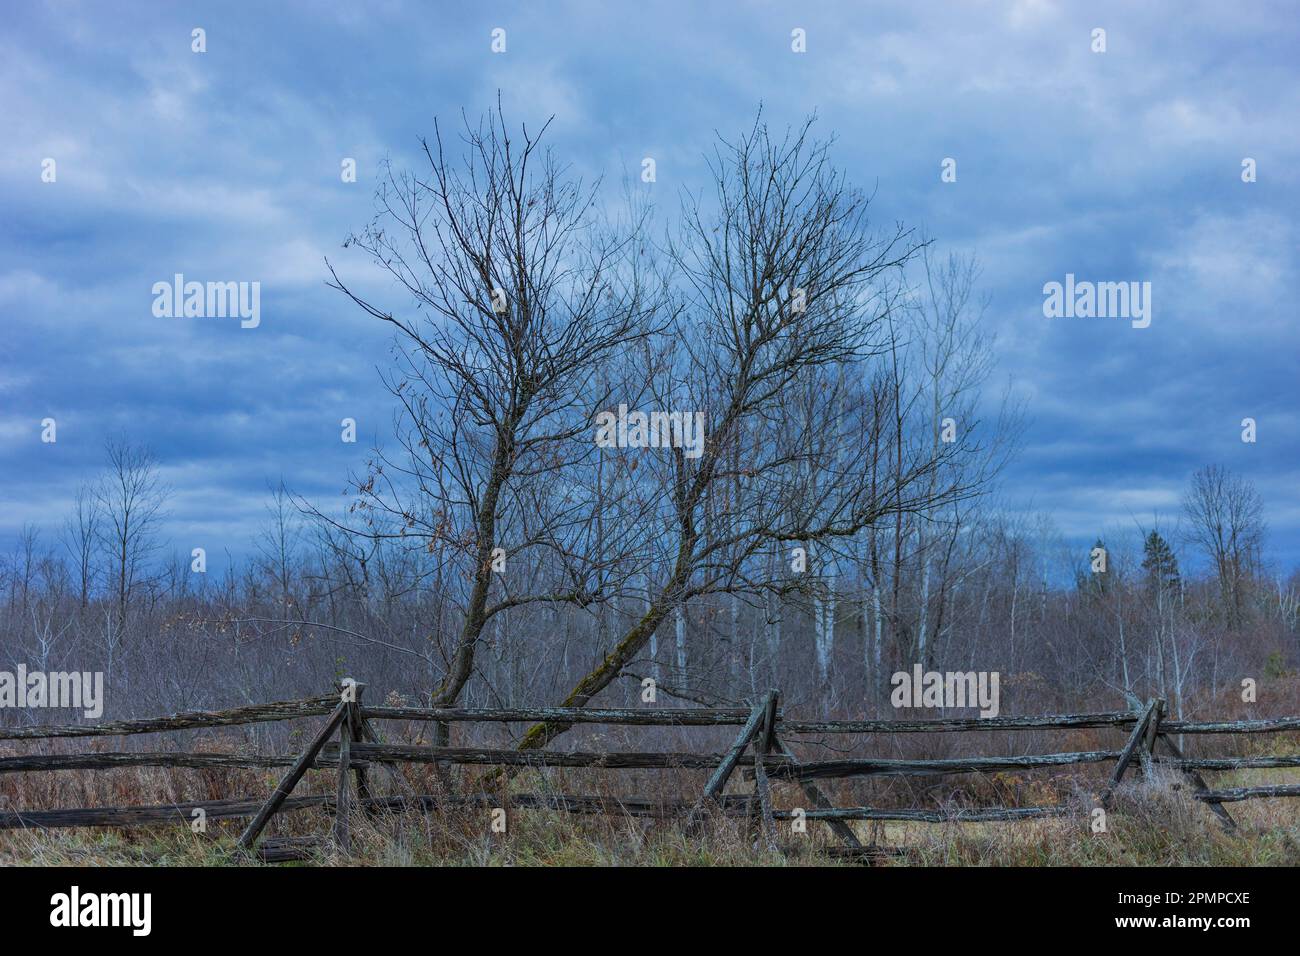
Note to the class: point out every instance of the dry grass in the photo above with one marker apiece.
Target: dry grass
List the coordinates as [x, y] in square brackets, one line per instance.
[1150, 824]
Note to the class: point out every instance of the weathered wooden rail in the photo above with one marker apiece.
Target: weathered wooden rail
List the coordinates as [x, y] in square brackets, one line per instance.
[348, 743]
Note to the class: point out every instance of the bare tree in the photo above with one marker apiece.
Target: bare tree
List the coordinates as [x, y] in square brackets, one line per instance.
[25, 566]
[521, 299]
[130, 498]
[1226, 521]
[783, 283]
[954, 359]
[279, 541]
[81, 539]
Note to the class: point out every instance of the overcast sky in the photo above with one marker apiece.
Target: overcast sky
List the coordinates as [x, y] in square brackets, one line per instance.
[225, 165]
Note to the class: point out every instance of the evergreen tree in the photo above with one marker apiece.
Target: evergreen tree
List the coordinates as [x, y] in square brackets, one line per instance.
[1159, 563]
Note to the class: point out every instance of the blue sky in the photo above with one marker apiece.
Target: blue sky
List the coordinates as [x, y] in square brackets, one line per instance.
[225, 165]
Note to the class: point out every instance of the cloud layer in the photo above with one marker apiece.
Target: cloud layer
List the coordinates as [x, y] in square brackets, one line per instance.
[1123, 165]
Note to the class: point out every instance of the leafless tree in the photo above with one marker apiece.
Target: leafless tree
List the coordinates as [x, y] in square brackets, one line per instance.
[952, 359]
[1226, 521]
[522, 297]
[784, 284]
[130, 497]
[24, 567]
[278, 543]
[81, 539]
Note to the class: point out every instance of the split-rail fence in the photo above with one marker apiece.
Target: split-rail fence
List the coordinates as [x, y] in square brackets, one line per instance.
[348, 742]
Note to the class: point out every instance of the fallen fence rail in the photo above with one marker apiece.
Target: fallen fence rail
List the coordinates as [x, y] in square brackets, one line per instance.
[1247, 793]
[1230, 763]
[349, 744]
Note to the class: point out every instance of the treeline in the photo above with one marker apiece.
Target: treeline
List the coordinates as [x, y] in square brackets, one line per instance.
[1064, 626]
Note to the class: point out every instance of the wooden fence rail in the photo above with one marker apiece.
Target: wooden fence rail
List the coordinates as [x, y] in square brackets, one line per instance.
[348, 743]
[666, 717]
[186, 720]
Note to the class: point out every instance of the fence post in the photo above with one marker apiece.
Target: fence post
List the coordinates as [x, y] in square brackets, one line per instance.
[713, 788]
[343, 793]
[349, 730]
[1149, 743]
[358, 734]
[290, 780]
[1137, 740]
[762, 790]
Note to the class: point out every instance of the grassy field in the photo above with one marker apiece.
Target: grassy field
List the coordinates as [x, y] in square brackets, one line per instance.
[1150, 824]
